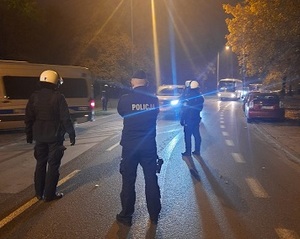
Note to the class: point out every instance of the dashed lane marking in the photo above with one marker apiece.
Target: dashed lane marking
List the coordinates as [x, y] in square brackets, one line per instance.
[286, 234]
[113, 137]
[31, 202]
[225, 133]
[238, 158]
[112, 147]
[256, 188]
[229, 142]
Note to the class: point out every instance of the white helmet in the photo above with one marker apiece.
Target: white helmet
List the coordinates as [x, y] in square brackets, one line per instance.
[187, 83]
[192, 84]
[52, 77]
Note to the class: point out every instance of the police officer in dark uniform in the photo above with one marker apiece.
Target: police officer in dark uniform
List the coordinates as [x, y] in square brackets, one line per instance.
[47, 120]
[139, 110]
[190, 117]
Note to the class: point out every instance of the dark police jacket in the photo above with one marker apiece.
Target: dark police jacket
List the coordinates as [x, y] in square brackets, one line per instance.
[192, 106]
[139, 110]
[47, 116]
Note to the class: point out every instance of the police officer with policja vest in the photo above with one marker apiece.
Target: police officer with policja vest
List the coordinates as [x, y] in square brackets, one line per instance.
[139, 110]
[47, 120]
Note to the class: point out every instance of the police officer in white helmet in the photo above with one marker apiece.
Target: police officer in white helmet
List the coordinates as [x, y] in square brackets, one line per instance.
[190, 117]
[47, 119]
[139, 110]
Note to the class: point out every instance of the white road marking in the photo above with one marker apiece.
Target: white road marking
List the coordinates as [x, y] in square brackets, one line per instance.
[256, 188]
[112, 147]
[166, 152]
[238, 158]
[113, 137]
[286, 234]
[222, 126]
[222, 121]
[31, 202]
[225, 133]
[229, 142]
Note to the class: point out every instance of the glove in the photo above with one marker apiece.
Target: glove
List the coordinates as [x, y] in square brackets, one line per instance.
[72, 139]
[29, 139]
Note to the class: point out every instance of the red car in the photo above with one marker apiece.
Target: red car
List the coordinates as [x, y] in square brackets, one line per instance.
[264, 106]
[247, 96]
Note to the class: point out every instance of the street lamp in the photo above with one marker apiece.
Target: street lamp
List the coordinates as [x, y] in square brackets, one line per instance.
[218, 63]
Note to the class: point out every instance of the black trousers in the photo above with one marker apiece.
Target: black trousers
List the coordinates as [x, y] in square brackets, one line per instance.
[48, 159]
[189, 130]
[128, 168]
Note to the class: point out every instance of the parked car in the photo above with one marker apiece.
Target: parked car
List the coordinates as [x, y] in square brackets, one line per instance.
[247, 97]
[264, 106]
[169, 97]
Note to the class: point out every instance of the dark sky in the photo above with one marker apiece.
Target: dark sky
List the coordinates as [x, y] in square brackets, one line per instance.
[190, 32]
[190, 35]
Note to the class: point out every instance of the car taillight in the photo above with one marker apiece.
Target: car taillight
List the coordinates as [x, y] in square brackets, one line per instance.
[251, 105]
[281, 104]
[92, 104]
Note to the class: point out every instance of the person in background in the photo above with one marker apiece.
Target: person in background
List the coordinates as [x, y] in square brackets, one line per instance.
[139, 110]
[104, 101]
[190, 117]
[47, 119]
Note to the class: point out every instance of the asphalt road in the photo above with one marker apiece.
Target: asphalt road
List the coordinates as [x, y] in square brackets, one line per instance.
[242, 186]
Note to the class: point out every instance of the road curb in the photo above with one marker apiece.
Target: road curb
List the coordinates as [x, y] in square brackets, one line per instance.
[291, 154]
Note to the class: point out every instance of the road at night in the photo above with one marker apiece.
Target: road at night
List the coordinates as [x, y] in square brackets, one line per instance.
[242, 186]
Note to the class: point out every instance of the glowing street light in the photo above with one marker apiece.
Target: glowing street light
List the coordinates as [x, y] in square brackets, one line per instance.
[227, 48]
[155, 40]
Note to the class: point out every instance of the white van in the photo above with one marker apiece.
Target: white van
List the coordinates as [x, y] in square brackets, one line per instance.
[169, 97]
[19, 79]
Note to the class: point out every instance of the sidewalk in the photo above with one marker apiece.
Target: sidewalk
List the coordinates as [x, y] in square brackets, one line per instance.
[286, 135]
[109, 111]
[111, 107]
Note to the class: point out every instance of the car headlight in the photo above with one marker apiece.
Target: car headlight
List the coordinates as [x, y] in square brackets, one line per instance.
[174, 102]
